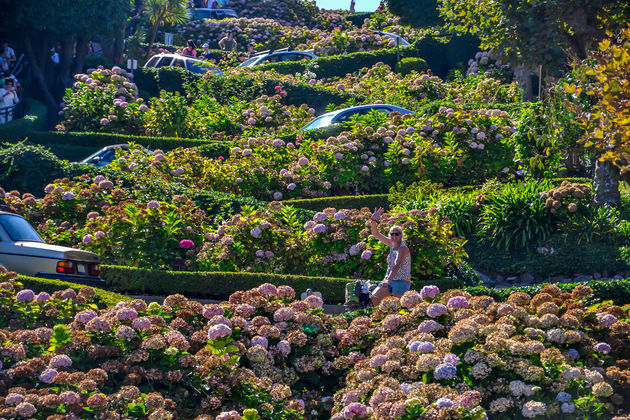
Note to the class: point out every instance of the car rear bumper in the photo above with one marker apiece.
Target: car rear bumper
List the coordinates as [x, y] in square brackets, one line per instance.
[87, 280]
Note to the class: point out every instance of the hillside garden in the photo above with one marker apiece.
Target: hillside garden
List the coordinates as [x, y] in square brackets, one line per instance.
[514, 202]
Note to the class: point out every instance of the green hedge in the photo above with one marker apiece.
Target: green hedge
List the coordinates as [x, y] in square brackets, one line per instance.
[244, 87]
[93, 141]
[440, 55]
[34, 119]
[409, 64]
[216, 285]
[103, 297]
[344, 202]
[616, 290]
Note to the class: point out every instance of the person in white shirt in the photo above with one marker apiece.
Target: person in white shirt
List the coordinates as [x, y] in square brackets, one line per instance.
[8, 98]
[54, 56]
[10, 53]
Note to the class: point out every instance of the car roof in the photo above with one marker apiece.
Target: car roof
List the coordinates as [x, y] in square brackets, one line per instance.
[8, 212]
[116, 146]
[358, 107]
[183, 57]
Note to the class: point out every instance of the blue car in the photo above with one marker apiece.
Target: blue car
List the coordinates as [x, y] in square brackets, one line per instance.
[342, 115]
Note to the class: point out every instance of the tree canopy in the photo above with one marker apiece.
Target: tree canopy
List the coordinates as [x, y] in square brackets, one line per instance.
[607, 85]
[535, 32]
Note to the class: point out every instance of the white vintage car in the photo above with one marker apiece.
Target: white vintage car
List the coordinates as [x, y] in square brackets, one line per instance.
[22, 250]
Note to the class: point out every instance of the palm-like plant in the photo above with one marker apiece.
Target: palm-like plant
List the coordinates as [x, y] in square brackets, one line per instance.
[164, 12]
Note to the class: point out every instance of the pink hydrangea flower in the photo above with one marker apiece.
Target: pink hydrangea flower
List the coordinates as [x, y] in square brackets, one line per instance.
[219, 331]
[87, 239]
[314, 301]
[25, 295]
[268, 290]
[186, 244]
[366, 255]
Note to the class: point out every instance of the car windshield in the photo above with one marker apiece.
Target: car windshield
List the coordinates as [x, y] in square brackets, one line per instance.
[319, 122]
[18, 229]
[201, 67]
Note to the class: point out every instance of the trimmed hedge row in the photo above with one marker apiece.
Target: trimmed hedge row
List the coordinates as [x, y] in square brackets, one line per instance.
[344, 202]
[34, 119]
[103, 297]
[220, 285]
[75, 146]
[438, 55]
[217, 285]
[616, 290]
[244, 87]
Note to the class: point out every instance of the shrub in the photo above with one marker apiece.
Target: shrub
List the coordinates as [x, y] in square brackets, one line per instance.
[99, 140]
[102, 298]
[28, 168]
[215, 284]
[344, 202]
[334, 243]
[34, 119]
[410, 64]
[617, 291]
[516, 216]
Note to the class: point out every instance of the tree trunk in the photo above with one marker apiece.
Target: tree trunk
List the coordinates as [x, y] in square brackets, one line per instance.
[522, 74]
[119, 46]
[64, 79]
[572, 161]
[154, 30]
[606, 184]
[40, 80]
[79, 58]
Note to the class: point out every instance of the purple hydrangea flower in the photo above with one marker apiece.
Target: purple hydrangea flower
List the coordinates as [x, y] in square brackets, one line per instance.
[260, 341]
[564, 397]
[436, 309]
[457, 302]
[126, 314]
[422, 347]
[48, 376]
[451, 359]
[444, 371]
[25, 295]
[319, 228]
[603, 348]
[429, 326]
[429, 292]
[444, 402]
[573, 354]
[607, 320]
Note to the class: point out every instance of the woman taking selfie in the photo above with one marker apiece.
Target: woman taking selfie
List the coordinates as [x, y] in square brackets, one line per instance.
[398, 277]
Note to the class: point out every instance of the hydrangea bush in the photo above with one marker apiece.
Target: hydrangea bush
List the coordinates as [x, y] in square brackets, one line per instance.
[263, 354]
[335, 243]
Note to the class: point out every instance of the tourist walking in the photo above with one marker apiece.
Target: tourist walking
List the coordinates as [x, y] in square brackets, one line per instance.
[398, 276]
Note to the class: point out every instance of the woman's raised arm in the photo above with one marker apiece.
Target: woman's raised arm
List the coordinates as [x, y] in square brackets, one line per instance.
[378, 235]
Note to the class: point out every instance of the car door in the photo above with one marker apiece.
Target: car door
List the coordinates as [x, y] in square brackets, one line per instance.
[14, 257]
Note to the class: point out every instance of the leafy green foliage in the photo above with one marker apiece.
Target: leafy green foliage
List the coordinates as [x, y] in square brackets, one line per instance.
[535, 32]
[516, 217]
[28, 168]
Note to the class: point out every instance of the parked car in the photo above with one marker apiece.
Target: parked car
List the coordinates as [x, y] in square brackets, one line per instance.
[105, 156]
[208, 13]
[189, 63]
[271, 56]
[342, 115]
[403, 41]
[22, 250]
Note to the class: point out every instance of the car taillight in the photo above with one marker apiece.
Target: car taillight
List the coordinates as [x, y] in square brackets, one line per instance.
[66, 267]
[95, 270]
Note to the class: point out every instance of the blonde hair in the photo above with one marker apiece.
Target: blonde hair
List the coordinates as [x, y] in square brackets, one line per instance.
[402, 232]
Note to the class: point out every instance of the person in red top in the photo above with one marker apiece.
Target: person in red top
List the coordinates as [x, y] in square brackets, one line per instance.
[190, 50]
[381, 6]
[215, 4]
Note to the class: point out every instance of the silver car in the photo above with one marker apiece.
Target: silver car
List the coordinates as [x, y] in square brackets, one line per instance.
[343, 115]
[276, 56]
[22, 250]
